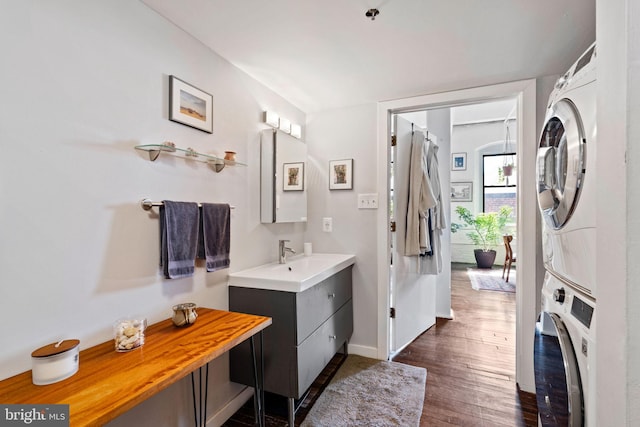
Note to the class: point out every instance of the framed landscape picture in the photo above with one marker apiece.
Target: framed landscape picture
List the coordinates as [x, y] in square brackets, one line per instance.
[462, 191]
[190, 106]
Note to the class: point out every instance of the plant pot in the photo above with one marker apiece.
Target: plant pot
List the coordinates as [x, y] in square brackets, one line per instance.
[484, 259]
[507, 170]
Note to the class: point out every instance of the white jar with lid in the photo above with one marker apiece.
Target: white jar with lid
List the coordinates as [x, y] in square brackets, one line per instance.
[55, 362]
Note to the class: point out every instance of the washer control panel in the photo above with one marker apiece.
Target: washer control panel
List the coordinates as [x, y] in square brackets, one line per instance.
[582, 311]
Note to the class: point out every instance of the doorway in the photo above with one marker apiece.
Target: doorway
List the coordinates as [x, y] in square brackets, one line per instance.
[527, 294]
[478, 137]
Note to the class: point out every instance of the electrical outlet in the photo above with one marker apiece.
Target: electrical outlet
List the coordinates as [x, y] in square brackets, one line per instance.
[368, 201]
[327, 225]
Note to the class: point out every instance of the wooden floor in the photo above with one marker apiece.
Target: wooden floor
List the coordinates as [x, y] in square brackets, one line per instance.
[470, 362]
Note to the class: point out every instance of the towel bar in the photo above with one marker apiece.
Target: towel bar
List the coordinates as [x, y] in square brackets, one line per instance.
[147, 204]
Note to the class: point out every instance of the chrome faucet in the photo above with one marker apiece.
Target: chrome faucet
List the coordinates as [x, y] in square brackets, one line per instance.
[282, 251]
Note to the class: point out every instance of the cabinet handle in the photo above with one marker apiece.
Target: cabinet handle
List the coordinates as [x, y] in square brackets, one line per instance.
[332, 295]
[333, 337]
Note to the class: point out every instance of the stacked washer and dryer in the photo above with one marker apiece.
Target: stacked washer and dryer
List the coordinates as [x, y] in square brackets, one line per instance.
[565, 332]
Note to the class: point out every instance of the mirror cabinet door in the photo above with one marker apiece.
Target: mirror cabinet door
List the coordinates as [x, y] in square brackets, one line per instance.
[283, 160]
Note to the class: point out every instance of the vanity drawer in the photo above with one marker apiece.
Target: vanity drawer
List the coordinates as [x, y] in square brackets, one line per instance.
[315, 305]
[318, 349]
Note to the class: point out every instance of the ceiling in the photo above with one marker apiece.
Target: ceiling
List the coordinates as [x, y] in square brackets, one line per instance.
[321, 55]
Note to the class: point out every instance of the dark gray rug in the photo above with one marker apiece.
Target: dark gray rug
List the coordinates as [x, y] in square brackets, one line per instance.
[372, 393]
[491, 279]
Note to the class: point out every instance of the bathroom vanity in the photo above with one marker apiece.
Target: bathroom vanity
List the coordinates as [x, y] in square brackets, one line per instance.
[310, 302]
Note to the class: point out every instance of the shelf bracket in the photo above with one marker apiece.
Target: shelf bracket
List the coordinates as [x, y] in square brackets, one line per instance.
[154, 154]
[216, 165]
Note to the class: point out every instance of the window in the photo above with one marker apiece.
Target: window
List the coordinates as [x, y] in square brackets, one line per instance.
[499, 181]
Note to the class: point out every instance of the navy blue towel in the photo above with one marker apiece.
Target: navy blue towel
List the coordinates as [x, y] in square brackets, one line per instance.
[179, 222]
[215, 235]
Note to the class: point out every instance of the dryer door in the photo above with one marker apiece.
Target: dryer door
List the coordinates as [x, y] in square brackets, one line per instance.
[558, 387]
[561, 163]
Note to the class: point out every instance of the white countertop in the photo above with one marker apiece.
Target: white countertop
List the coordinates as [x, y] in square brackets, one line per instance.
[296, 275]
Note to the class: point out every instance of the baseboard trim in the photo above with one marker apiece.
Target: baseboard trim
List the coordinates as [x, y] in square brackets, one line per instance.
[364, 351]
[446, 315]
[230, 408]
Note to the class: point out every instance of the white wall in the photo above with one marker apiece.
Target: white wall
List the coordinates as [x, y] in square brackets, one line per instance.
[83, 83]
[348, 133]
[617, 268]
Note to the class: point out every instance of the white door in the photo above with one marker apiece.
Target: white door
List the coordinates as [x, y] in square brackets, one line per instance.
[413, 295]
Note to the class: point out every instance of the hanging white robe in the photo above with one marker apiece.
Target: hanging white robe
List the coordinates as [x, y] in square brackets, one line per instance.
[421, 199]
[433, 264]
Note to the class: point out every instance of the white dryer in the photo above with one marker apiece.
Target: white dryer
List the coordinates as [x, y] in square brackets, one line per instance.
[564, 351]
[565, 174]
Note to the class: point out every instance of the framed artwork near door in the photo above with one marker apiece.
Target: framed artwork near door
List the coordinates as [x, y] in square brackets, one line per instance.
[462, 191]
[458, 161]
[341, 174]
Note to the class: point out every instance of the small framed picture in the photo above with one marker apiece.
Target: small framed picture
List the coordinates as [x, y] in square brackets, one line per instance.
[459, 161]
[190, 106]
[341, 174]
[462, 191]
[293, 177]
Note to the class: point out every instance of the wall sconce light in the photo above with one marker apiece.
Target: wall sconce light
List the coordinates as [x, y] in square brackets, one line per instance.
[272, 119]
[296, 131]
[285, 125]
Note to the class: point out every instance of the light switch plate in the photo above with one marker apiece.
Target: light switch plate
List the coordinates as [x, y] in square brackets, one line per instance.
[368, 201]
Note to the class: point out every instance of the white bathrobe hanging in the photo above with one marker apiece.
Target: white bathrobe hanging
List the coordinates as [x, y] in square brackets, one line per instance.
[421, 199]
[433, 264]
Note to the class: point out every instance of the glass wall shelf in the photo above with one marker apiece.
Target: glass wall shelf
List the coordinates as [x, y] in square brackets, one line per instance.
[214, 162]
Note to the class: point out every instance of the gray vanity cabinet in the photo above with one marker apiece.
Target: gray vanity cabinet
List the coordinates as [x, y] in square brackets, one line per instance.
[308, 329]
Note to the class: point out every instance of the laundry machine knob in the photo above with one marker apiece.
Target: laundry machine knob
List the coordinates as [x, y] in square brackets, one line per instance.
[558, 295]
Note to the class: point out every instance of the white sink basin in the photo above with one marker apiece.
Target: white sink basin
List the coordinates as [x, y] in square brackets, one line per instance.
[298, 274]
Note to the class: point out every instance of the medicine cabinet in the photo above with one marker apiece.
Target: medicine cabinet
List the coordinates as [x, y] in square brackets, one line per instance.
[283, 193]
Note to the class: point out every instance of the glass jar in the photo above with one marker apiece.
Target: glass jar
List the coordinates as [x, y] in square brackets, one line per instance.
[129, 333]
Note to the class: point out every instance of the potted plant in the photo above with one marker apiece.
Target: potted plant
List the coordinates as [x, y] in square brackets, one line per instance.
[486, 230]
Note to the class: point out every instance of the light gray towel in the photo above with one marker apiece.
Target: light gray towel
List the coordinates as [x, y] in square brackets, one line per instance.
[215, 235]
[179, 222]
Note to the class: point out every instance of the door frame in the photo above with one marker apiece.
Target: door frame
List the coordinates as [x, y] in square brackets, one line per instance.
[528, 244]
